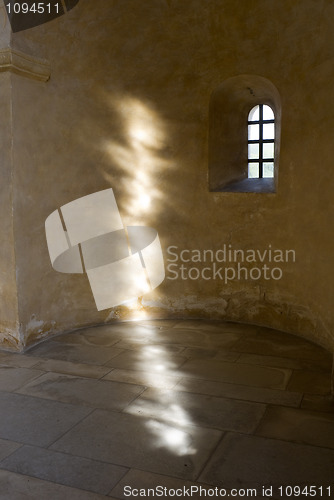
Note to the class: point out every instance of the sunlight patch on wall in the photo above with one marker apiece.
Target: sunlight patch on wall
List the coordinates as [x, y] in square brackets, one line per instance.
[139, 155]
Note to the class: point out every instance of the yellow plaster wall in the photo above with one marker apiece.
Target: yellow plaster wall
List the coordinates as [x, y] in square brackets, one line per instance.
[127, 107]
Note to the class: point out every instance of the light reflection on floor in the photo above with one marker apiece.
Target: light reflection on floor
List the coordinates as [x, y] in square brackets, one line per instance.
[157, 402]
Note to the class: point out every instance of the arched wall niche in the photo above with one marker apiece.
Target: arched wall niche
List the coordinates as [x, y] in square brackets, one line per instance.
[230, 105]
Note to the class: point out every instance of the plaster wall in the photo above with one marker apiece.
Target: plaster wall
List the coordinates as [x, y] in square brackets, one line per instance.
[9, 321]
[127, 107]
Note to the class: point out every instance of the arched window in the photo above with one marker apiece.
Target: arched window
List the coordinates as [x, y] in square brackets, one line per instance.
[261, 142]
[244, 136]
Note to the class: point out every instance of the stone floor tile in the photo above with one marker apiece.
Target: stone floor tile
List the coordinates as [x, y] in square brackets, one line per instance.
[243, 392]
[197, 338]
[273, 343]
[157, 323]
[197, 378]
[226, 355]
[148, 379]
[18, 487]
[17, 360]
[61, 468]
[183, 408]
[219, 353]
[82, 391]
[310, 382]
[281, 362]
[136, 442]
[138, 479]
[242, 461]
[136, 343]
[36, 421]
[107, 335]
[130, 330]
[149, 359]
[7, 448]
[165, 348]
[98, 336]
[299, 426]
[74, 338]
[197, 323]
[69, 368]
[315, 402]
[93, 355]
[237, 373]
[198, 352]
[217, 326]
[12, 378]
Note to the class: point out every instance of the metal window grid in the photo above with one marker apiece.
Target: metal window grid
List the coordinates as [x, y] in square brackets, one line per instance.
[260, 160]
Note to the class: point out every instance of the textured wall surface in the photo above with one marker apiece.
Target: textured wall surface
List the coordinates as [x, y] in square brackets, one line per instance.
[127, 107]
[9, 321]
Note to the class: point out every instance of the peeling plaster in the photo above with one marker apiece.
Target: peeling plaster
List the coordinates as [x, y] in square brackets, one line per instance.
[36, 330]
[9, 342]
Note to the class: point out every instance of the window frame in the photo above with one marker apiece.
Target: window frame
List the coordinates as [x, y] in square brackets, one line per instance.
[261, 141]
[230, 103]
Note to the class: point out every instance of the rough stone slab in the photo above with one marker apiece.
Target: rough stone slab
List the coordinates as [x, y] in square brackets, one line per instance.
[83, 391]
[243, 392]
[242, 461]
[183, 408]
[147, 359]
[134, 442]
[75, 353]
[138, 479]
[310, 382]
[300, 426]
[69, 368]
[19, 487]
[12, 378]
[274, 343]
[61, 468]
[235, 373]
[287, 362]
[149, 379]
[7, 448]
[36, 421]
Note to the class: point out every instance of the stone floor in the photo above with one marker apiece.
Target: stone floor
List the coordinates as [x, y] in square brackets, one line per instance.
[174, 404]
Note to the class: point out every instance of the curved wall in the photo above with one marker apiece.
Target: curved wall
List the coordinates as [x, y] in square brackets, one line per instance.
[127, 107]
